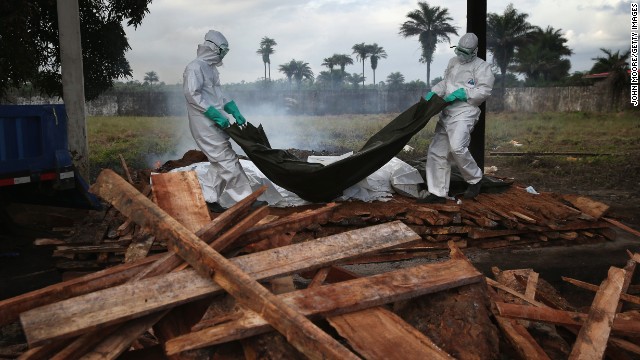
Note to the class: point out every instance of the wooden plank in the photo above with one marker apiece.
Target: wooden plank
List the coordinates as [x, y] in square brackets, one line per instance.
[592, 338]
[385, 331]
[191, 211]
[620, 324]
[12, 307]
[585, 285]
[180, 195]
[343, 297]
[532, 284]
[292, 223]
[509, 290]
[84, 312]
[139, 248]
[622, 226]
[299, 331]
[521, 339]
[588, 206]
[377, 333]
[517, 335]
[114, 345]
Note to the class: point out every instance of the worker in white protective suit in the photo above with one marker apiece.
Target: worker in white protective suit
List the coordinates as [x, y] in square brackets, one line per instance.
[467, 83]
[227, 182]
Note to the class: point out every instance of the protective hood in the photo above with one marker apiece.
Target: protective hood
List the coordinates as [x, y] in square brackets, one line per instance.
[214, 48]
[467, 48]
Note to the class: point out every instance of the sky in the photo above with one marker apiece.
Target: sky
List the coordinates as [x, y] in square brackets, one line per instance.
[312, 30]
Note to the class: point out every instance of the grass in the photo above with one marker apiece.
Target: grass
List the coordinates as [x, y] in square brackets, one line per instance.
[145, 140]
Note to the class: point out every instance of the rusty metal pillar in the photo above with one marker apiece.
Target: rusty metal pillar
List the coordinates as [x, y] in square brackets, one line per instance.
[477, 24]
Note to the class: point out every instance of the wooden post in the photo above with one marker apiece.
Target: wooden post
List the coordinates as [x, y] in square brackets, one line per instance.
[73, 83]
[477, 24]
[298, 330]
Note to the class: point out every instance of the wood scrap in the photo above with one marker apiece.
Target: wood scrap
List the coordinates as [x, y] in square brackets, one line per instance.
[626, 297]
[344, 297]
[160, 292]
[300, 332]
[562, 317]
[592, 339]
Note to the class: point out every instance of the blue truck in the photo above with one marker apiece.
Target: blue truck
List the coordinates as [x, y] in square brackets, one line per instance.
[36, 166]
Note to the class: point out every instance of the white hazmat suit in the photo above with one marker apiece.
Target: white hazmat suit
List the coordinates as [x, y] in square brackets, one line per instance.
[456, 122]
[227, 183]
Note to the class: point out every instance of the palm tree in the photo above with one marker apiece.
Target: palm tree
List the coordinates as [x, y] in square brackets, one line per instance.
[376, 52]
[343, 60]
[330, 62]
[395, 80]
[266, 49]
[612, 61]
[431, 24]
[362, 53]
[151, 77]
[301, 70]
[617, 66]
[541, 60]
[288, 69]
[505, 33]
[355, 79]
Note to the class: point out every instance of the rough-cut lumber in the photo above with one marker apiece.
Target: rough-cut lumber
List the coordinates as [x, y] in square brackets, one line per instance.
[517, 335]
[299, 331]
[592, 339]
[181, 197]
[588, 206]
[191, 211]
[75, 316]
[509, 290]
[207, 233]
[561, 317]
[385, 332]
[622, 226]
[291, 223]
[521, 340]
[11, 308]
[342, 297]
[120, 338]
[377, 333]
[139, 248]
[585, 285]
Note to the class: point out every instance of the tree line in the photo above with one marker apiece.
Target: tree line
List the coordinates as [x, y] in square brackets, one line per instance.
[523, 54]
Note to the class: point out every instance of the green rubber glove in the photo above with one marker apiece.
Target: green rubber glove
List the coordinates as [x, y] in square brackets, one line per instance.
[459, 94]
[214, 115]
[429, 95]
[232, 109]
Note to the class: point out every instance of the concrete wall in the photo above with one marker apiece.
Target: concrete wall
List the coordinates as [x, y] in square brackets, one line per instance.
[327, 102]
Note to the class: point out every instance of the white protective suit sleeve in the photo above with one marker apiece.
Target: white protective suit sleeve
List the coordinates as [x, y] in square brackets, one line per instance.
[194, 79]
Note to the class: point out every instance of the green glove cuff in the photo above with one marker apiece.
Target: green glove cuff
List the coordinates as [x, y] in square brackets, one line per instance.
[458, 94]
[214, 115]
[232, 109]
[429, 95]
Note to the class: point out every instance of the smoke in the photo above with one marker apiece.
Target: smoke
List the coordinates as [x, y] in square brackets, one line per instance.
[284, 130]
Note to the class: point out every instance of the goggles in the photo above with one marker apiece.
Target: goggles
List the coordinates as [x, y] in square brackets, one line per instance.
[463, 50]
[223, 49]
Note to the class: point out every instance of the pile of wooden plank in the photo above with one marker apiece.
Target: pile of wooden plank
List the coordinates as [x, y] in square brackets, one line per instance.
[511, 218]
[225, 288]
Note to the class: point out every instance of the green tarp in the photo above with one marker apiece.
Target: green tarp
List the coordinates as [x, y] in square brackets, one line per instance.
[319, 183]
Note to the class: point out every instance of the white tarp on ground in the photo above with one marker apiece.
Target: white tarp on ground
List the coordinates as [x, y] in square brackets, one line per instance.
[394, 176]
